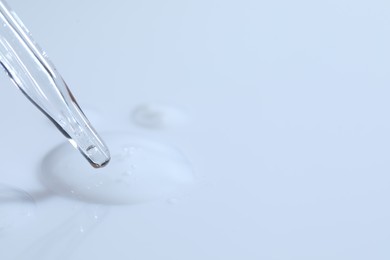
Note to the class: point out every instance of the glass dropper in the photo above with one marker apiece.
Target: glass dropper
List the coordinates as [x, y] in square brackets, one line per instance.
[32, 72]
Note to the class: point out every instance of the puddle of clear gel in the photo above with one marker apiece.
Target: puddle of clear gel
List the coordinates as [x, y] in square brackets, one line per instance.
[16, 207]
[140, 170]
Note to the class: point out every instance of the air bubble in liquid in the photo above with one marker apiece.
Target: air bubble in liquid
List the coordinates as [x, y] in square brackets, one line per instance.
[140, 170]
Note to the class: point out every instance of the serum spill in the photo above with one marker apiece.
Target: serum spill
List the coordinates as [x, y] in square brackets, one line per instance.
[140, 170]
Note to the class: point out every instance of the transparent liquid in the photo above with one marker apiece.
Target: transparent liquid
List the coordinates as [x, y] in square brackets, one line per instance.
[159, 116]
[140, 170]
[63, 240]
[16, 207]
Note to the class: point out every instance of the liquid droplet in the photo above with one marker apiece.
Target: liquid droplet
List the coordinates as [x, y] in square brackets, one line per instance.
[127, 173]
[16, 207]
[157, 116]
[153, 171]
[173, 201]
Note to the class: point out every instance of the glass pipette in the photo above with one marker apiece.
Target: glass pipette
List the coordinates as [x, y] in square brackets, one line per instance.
[32, 72]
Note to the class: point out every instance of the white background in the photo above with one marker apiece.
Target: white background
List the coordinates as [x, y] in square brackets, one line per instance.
[288, 133]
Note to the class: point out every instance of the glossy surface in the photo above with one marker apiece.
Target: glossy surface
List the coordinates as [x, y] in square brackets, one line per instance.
[141, 170]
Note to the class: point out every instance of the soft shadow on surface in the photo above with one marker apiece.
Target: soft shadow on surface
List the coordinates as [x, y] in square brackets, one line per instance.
[25, 196]
[17, 207]
[10, 194]
[64, 240]
[50, 182]
[60, 242]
